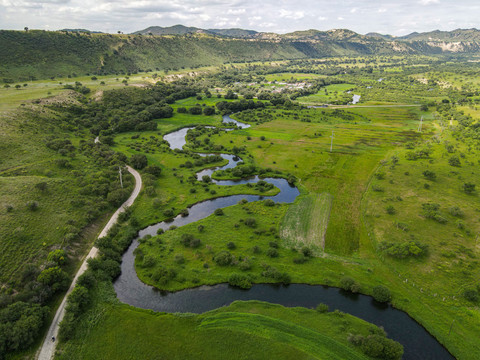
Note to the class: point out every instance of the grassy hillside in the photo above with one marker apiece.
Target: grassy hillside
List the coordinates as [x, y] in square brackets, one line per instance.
[42, 54]
[243, 330]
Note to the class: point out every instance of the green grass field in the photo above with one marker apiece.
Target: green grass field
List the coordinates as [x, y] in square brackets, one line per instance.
[243, 330]
[305, 222]
[328, 94]
[353, 199]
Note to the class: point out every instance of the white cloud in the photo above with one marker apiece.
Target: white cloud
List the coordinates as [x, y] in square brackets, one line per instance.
[396, 17]
[295, 15]
[236, 11]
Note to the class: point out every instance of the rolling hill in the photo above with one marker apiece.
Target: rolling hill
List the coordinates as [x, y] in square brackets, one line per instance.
[37, 54]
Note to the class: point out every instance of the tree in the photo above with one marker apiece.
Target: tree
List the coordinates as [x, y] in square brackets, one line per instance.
[382, 293]
[195, 110]
[25, 28]
[138, 161]
[55, 278]
[208, 110]
[153, 170]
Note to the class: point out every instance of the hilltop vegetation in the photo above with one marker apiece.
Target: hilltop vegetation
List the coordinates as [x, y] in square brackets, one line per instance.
[40, 54]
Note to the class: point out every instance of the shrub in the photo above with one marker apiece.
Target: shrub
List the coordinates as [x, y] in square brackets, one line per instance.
[380, 175]
[454, 161]
[77, 300]
[429, 175]
[306, 251]
[390, 210]
[300, 260]
[471, 295]
[322, 308]
[179, 259]
[231, 245]
[184, 212]
[456, 211]
[273, 273]
[218, 212]
[223, 258]
[245, 265]
[269, 202]
[188, 240]
[378, 346]
[32, 205]
[42, 186]
[251, 222]
[349, 284]
[402, 226]
[273, 253]
[149, 261]
[382, 293]
[468, 187]
[404, 249]
[240, 280]
[57, 256]
[168, 212]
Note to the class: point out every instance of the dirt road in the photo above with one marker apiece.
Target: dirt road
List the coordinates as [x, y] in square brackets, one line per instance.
[47, 350]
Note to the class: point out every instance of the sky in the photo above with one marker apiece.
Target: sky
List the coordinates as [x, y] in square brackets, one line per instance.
[395, 17]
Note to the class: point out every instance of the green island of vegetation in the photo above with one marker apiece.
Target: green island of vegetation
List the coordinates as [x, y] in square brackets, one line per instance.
[388, 202]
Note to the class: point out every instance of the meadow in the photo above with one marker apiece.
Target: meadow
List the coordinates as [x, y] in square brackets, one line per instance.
[364, 173]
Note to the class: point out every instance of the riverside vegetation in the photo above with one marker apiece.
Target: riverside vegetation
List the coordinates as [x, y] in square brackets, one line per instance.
[398, 207]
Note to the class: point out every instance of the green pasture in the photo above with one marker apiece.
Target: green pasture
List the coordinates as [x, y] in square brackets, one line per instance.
[243, 330]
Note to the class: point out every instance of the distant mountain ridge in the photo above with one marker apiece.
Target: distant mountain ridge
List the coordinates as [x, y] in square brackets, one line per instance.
[184, 30]
[42, 54]
[458, 35]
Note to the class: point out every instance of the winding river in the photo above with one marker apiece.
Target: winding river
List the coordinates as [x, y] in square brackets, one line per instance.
[418, 343]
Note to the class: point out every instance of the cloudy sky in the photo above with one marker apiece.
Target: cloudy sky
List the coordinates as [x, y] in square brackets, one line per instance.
[396, 17]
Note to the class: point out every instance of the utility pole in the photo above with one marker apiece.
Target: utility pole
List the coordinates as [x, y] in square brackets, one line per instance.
[420, 125]
[331, 142]
[120, 173]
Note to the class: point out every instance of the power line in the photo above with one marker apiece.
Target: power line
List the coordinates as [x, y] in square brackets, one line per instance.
[420, 125]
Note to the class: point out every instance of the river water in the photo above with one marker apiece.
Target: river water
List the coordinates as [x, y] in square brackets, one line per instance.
[418, 343]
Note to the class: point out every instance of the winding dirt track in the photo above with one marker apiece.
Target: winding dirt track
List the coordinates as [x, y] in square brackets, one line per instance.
[47, 351]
